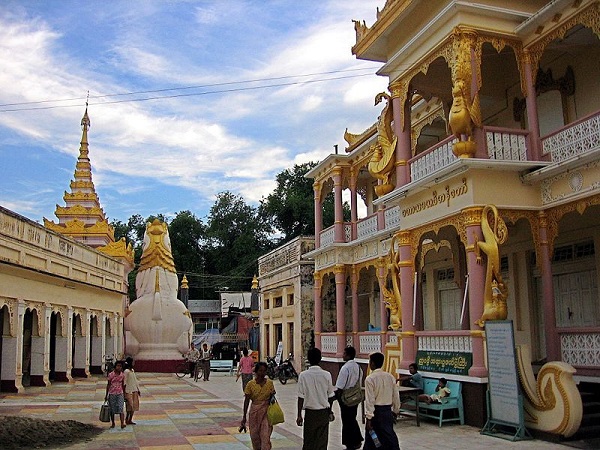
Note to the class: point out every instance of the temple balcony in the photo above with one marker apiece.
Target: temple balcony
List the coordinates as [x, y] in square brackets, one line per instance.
[502, 148]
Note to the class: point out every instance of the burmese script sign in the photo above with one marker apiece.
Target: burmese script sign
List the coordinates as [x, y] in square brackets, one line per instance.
[438, 198]
[456, 363]
[503, 386]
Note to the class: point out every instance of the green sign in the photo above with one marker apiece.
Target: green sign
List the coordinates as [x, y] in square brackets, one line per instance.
[456, 363]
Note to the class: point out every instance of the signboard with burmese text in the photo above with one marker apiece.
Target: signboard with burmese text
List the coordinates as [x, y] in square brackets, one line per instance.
[455, 363]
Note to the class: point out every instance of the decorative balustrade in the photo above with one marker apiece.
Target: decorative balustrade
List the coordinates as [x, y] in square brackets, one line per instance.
[581, 348]
[327, 237]
[506, 143]
[366, 227]
[432, 160]
[347, 232]
[369, 342]
[575, 139]
[392, 218]
[444, 341]
[329, 343]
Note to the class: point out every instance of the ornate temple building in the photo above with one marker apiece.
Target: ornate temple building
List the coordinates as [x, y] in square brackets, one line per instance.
[474, 197]
[63, 288]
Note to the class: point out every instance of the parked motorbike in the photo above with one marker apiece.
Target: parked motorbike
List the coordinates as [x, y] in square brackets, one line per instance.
[286, 370]
[272, 369]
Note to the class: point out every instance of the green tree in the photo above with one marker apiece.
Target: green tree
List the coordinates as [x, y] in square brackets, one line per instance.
[236, 236]
[291, 205]
[188, 239]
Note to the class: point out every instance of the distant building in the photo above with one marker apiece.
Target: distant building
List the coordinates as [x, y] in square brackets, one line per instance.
[206, 314]
[286, 300]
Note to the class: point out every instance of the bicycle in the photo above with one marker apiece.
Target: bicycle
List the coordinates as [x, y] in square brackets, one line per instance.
[182, 369]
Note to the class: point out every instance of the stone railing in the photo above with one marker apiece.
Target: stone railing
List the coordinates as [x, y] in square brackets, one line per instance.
[289, 253]
[392, 218]
[574, 139]
[369, 342]
[366, 227]
[329, 343]
[581, 347]
[327, 237]
[506, 143]
[445, 341]
[432, 160]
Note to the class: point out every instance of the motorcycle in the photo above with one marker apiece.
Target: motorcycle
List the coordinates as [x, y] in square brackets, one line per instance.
[286, 370]
[272, 368]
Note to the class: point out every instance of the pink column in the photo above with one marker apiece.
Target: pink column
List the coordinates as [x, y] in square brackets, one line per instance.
[380, 217]
[476, 289]
[553, 352]
[318, 214]
[354, 281]
[318, 308]
[340, 303]
[535, 153]
[353, 204]
[402, 127]
[338, 228]
[407, 279]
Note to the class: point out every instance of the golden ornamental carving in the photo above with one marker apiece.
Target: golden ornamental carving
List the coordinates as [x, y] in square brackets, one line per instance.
[495, 290]
[554, 215]
[392, 298]
[435, 246]
[157, 247]
[339, 269]
[80, 196]
[383, 158]
[350, 138]
[456, 221]
[535, 223]
[471, 216]
[465, 112]
[361, 30]
[552, 402]
[78, 210]
[81, 184]
[415, 132]
[118, 249]
[403, 237]
[588, 17]
[399, 90]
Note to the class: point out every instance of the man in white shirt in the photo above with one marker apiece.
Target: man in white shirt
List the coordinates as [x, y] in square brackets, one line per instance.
[382, 402]
[315, 396]
[350, 375]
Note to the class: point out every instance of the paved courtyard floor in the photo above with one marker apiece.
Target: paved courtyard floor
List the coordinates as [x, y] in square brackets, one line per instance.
[182, 415]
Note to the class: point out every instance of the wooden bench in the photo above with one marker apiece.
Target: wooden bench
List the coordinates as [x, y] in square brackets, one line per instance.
[222, 364]
[453, 403]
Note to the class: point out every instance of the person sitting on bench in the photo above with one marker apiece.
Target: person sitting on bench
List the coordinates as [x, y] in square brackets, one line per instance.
[441, 392]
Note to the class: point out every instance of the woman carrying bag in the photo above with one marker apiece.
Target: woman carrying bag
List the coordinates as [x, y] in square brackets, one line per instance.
[114, 393]
[259, 391]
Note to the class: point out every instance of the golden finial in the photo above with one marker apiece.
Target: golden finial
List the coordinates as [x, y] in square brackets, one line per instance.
[184, 283]
[254, 282]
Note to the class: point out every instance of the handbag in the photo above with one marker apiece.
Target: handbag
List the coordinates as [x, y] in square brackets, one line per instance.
[354, 395]
[274, 412]
[104, 412]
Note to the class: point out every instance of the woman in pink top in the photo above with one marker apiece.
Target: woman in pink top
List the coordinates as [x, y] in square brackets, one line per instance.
[114, 393]
[245, 368]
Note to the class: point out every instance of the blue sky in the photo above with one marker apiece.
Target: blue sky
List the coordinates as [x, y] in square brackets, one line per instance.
[171, 154]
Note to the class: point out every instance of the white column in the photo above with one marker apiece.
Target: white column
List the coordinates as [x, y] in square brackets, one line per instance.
[97, 340]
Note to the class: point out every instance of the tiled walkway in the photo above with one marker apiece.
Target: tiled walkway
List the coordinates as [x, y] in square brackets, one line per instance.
[174, 414]
[182, 415]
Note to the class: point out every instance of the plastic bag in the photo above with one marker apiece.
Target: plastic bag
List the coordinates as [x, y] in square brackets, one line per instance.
[275, 413]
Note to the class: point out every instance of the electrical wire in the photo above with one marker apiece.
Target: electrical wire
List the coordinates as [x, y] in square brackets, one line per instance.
[161, 97]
